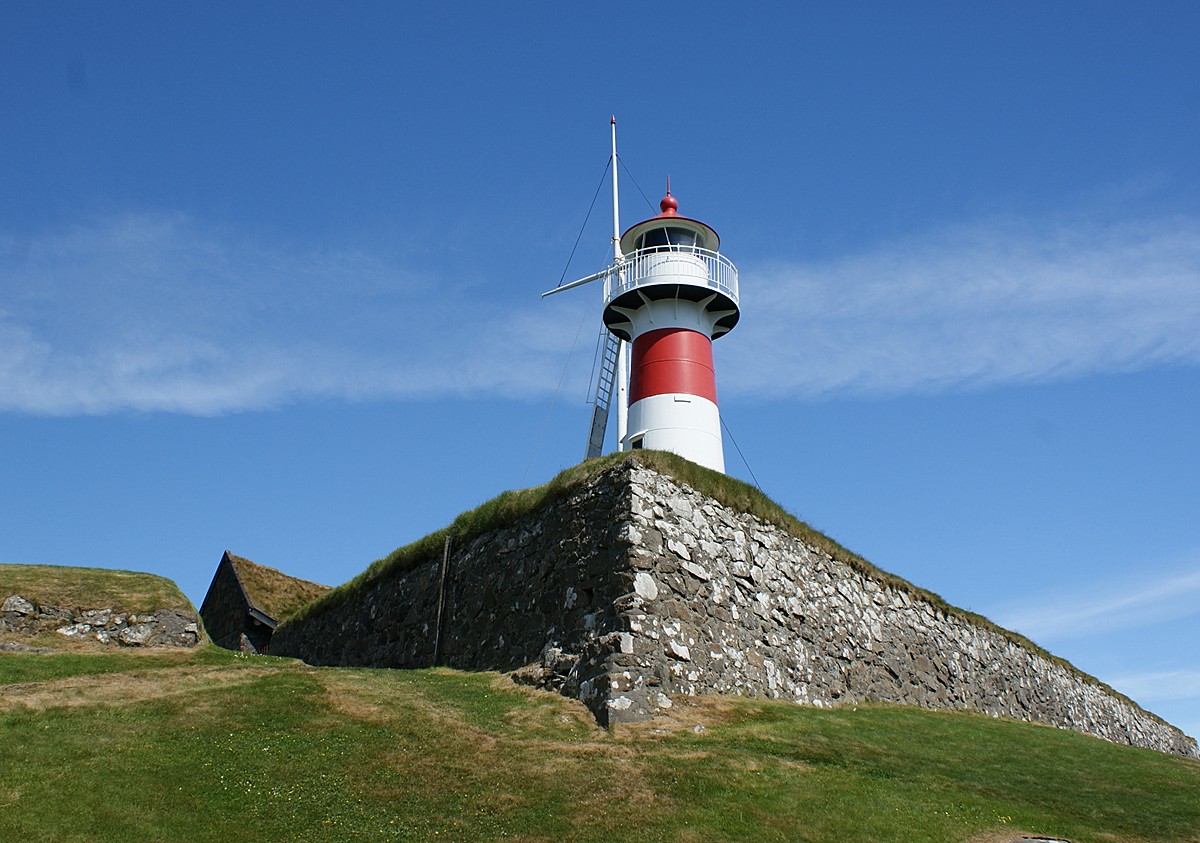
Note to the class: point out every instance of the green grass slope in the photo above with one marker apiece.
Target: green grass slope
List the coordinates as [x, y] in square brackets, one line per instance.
[91, 588]
[214, 746]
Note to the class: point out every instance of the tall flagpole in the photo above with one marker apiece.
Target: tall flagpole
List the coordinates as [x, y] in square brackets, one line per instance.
[618, 259]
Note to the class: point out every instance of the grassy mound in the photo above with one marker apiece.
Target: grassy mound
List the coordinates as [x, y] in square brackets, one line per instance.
[92, 588]
[207, 745]
[510, 507]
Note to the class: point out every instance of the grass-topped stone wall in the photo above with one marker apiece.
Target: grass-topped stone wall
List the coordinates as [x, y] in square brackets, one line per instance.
[527, 575]
[639, 577]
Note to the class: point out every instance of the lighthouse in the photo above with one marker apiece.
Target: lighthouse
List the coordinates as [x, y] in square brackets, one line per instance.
[667, 295]
[672, 296]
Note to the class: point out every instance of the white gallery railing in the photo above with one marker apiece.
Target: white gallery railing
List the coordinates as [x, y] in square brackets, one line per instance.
[672, 265]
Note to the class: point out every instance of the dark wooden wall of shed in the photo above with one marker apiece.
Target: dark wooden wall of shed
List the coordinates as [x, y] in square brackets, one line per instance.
[226, 613]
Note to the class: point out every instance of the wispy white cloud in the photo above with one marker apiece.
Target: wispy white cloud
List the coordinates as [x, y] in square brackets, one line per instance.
[989, 303]
[157, 312]
[1173, 694]
[1109, 607]
[1155, 686]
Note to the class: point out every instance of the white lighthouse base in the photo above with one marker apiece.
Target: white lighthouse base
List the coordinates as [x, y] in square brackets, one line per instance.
[683, 424]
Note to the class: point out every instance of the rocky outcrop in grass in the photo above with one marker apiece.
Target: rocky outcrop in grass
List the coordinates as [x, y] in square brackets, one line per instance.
[161, 628]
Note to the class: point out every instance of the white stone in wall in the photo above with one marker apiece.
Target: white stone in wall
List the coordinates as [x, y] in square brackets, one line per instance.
[679, 651]
[679, 549]
[645, 586]
[682, 507]
[17, 603]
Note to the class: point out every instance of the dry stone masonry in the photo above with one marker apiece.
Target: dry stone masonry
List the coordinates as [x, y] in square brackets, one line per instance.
[732, 605]
[164, 628]
[635, 588]
[544, 590]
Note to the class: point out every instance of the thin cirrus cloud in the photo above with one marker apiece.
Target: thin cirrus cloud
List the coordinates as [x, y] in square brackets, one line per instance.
[1179, 688]
[160, 313]
[1110, 608]
[1160, 685]
[976, 305]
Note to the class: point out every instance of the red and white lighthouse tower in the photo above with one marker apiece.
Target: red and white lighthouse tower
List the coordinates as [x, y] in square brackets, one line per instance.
[668, 294]
[673, 295]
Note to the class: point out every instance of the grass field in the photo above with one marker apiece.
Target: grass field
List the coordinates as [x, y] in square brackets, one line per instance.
[214, 746]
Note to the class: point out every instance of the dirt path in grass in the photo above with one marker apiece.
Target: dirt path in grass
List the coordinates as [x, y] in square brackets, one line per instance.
[519, 746]
[124, 687]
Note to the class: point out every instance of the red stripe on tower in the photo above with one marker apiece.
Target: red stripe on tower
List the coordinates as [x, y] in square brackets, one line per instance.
[672, 360]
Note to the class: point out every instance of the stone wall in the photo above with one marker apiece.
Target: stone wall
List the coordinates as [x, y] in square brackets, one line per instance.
[509, 598]
[634, 589]
[163, 628]
[731, 605]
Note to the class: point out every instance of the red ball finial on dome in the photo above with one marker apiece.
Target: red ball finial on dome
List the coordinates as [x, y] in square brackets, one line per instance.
[669, 204]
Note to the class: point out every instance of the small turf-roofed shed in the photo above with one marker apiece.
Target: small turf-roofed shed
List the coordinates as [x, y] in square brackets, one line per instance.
[246, 600]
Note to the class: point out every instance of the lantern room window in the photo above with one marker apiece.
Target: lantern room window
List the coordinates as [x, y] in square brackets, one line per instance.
[668, 238]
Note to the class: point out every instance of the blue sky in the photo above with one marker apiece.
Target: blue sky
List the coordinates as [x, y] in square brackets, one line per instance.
[270, 277]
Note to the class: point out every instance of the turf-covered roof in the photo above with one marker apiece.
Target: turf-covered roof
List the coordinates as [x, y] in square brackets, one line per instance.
[271, 591]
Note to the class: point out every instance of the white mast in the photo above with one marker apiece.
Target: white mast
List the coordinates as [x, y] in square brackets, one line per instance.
[621, 374]
[616, 238]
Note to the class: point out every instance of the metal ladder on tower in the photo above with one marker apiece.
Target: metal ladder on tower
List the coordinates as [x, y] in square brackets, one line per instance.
[605, 385]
